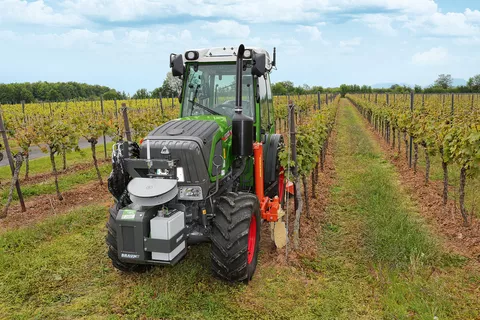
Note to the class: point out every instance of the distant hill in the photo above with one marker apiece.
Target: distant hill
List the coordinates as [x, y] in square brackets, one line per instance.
[385, 85]
[459, 82]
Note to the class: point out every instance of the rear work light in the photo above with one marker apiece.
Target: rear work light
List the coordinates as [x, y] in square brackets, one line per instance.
[191, 55]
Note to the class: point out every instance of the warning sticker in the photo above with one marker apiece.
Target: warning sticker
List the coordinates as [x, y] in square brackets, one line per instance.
[128, 214]
[165, 150]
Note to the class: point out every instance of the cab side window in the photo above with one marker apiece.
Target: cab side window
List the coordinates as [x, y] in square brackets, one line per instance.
[271, 117]
[262, 92]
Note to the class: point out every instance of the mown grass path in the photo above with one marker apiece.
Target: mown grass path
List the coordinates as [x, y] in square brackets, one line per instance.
[376, 259]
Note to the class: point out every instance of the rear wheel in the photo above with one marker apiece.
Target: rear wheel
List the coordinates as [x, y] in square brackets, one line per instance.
[236, 237]
[111, 240]
[277, 187]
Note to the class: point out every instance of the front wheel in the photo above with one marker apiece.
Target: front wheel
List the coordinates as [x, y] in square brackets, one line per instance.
[236, 237]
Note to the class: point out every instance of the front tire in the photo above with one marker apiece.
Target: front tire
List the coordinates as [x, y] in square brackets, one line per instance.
[236, 237]
[111, 241]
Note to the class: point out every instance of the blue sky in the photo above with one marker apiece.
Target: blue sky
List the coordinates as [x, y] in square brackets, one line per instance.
[125, 44]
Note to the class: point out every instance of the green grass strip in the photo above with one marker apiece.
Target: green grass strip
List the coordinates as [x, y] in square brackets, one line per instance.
[43, 165]
[65, 182]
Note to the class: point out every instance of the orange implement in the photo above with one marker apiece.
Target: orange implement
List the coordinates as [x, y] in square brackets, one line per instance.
[268, 207]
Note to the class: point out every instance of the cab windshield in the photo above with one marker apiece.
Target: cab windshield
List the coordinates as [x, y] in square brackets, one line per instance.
[210, 90]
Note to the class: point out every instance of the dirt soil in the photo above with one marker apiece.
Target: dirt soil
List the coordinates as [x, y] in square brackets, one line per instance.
[446, 221]
[41, 207]
[310, 227]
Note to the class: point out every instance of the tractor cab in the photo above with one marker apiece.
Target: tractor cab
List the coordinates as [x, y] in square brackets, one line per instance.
[210, 84]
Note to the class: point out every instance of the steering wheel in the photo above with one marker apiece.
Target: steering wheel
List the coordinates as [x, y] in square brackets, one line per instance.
[201, 106]
[228, 107]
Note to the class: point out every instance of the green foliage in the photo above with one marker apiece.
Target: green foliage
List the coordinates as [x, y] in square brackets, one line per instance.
[474, 83]
[343, 90]
[57, 133]
[444, 81]
[142, 94]
[433, 125]
[310, 138]
[51, 91]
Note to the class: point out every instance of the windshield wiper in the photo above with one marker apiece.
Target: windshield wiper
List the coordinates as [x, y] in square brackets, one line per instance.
[205, 108]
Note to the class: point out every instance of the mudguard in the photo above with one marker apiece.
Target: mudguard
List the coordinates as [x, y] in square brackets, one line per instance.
[271, 142]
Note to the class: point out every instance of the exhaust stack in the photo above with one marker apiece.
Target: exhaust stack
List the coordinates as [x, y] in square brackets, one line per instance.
[242, 126]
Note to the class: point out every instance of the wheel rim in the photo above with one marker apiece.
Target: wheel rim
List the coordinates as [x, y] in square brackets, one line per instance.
[252, 238]
[281, 183]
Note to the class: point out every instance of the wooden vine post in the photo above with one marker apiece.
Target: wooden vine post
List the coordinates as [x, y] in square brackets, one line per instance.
[298, 198]
[128, 133]
[11, 162]
[104, 139]
[411, 138]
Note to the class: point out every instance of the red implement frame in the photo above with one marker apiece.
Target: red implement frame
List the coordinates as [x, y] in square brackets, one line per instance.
[268, 207]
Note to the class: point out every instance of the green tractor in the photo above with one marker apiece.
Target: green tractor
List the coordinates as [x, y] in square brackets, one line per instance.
[211, 175]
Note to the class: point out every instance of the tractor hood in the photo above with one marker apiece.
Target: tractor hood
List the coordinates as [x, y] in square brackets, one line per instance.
[193, 143]
[223, 122]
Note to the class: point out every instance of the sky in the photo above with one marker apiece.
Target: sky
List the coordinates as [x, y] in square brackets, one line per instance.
[125, 44]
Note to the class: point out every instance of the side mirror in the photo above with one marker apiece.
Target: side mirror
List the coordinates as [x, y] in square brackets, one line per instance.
[176, 63]
[259, 63]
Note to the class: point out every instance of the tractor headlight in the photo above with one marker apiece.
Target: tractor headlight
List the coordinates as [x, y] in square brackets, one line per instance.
[191, 55]
[247, 54]
[190, 193]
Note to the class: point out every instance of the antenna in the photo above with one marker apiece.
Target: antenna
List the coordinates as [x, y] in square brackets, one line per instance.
[274, 62]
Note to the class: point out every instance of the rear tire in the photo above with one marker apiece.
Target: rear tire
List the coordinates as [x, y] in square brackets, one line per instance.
[236, 237]
[111, 241]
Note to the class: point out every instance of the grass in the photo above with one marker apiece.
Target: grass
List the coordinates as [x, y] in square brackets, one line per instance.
[43, 165]
[369, 264]
[382, 241]
[59, 269]
[65, 182]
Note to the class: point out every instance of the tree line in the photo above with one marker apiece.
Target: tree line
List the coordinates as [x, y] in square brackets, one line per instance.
[55, 91]
[443, 84]
[61, 91]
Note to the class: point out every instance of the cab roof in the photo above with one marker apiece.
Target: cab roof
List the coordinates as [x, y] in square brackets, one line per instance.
[226, 54]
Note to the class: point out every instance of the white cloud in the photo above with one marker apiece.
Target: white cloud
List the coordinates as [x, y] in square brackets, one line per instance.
[351, 43]
[472, 15]
[136, 36]
[455, 24]
[7, 35]
[379, 22]
[278, 10]
[415, 14]
[228, 28]
[434, 56]
[312, 32]
[35, 12]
